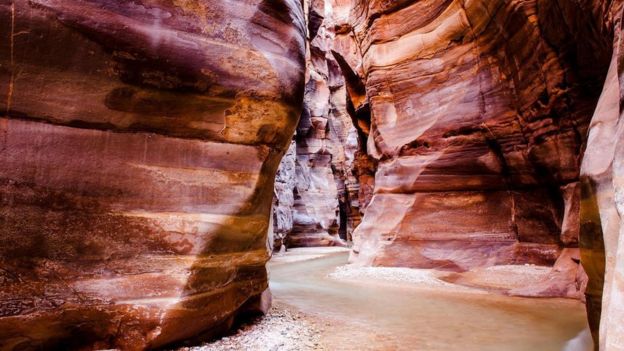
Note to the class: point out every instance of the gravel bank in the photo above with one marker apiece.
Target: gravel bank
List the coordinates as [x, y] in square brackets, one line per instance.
[419, 278]
[305, 253]
[280, 330]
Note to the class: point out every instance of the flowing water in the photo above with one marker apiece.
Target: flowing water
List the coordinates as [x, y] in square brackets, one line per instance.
[393, 317]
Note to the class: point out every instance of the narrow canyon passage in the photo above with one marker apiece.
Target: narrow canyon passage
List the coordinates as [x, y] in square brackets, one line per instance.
[378, 316]
[415, 174]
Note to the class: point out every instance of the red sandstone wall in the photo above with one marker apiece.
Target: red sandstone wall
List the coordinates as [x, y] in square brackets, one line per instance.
[478, 112]
[476, 115]
[139, 141]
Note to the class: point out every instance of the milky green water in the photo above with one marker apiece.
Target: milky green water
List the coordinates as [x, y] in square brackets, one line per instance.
[413, 319]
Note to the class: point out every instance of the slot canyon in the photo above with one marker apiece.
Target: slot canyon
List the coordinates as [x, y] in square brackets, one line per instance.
[197, 175]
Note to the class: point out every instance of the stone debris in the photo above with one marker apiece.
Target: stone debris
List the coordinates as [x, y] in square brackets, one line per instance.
[279, 330]
[304, 254]
[422, 278]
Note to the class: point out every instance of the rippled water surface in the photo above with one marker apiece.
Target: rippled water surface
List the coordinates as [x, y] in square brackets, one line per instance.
[404, 318]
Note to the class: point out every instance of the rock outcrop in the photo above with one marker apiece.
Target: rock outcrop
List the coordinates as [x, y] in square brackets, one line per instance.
[139, 141]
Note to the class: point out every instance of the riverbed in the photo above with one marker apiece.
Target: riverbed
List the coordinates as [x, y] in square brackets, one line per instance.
[378, 316]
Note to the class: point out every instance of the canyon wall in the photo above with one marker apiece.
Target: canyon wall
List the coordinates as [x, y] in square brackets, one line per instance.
[284, 199]
[139, 142]
[325, 207]
[478, 112]
[602, 210]
[474, 116]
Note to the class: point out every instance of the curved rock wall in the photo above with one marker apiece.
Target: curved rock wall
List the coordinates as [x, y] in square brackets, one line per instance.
[602, 210]
[139, 142]
[478, 112]
[474, 116]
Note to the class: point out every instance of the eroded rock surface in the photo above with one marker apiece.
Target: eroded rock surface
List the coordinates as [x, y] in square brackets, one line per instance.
[326, 205]
[284, 198]
[139, 141]
[477, 114]
[138, 145]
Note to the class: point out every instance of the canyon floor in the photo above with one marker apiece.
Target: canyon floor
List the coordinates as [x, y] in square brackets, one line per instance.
[321, 304]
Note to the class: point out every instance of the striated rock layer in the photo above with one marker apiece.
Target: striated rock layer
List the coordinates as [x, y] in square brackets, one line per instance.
[475, 116]
[478, 112]
[325, 207]
[139, 141]
[284, 199]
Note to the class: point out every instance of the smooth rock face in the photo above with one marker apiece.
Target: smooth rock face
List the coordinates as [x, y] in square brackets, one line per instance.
[139, 142]
[477, 113]
[602, 211]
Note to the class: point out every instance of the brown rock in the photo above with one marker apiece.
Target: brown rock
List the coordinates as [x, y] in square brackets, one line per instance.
[566, 279]
[284, 198]
[477, 116]
[139, 141]
[570, 226]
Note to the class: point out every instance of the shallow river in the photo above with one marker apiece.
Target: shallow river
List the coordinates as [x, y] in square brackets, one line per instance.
[388, 317]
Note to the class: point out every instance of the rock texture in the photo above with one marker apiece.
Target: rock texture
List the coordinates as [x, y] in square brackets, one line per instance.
[602, 210]
[475, 114]
[139, 141]
[138, 146]
[326, 205]
[280, 329]
[284, 199]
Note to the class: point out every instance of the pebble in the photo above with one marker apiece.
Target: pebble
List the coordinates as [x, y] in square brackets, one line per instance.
[279, 330]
